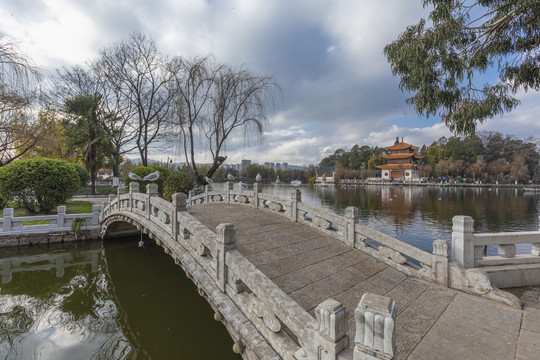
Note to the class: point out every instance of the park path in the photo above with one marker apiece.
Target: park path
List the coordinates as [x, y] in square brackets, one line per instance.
[433, 322]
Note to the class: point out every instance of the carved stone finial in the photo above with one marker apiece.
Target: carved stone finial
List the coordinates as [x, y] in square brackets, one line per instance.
[440, 248]
[375, 327]
[179, 201]
[134, 187]
[351, 212]
[152, 189]
[332, 327]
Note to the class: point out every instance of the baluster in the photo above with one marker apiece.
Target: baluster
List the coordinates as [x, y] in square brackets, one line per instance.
[440, 262]
[332, 326]
[8, 218]
[375, 328]
[226, 238]
[151, 190]
[463, 250]
[179, 204]
[60, 217]
[351, 216]
[296, 197]
[536, 247]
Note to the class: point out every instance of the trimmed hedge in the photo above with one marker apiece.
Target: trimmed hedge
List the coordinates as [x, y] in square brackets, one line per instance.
[39, 184]
[177, 182]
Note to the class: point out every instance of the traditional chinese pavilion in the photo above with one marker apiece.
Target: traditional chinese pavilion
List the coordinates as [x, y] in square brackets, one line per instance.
[401, 162]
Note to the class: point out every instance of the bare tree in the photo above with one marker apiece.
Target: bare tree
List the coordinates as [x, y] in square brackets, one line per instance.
[143, 79]
[18, 80]
[217, 102]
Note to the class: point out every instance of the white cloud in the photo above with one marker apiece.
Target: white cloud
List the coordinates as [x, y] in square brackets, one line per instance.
[327, 56]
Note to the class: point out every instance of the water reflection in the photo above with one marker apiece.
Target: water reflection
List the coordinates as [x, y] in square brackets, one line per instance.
[85, 301]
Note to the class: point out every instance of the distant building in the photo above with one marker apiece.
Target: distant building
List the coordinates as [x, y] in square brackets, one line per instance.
[278, 166]
[401, 162]
[244, 165]
[269, 165]
[285, 166]
[327, 173]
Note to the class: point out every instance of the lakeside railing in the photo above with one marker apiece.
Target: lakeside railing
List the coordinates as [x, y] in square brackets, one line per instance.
[436, 266]
[61, 222]
[262, 319]
[506, 269]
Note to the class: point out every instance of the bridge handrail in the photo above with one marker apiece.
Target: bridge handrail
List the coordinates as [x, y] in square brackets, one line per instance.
[393, 252]
[468, 247]
[262, 298]
[13, 225]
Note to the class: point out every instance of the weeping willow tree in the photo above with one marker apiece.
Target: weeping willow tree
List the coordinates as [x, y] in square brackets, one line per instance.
[214, 103]
[18, 83]
[444, 61]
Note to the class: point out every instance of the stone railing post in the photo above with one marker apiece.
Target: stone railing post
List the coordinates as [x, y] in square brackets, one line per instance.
[111, 198]
[226, 238]
[8, 217]
[440, 262]
[179, 201]
[121, 190]
[351, 216]
[256, 191]
[296, 197]
[60, 216]
[536, 247]
[375, 318]
[463, 241]
[228, 189]
[133, 188]
[332, 326]
[206, 189]
[95, 214]
[151, 190]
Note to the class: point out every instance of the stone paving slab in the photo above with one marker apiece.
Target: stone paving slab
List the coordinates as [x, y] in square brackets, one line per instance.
[485, 330]
[529, 338]
[433, 322]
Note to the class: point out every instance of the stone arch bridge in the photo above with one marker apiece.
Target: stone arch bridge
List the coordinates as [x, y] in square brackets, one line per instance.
[291, 281]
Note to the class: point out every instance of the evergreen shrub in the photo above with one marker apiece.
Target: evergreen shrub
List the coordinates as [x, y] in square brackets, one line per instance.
[39, 184]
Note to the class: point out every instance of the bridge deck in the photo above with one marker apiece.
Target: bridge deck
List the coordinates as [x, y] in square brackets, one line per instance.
[433, 322]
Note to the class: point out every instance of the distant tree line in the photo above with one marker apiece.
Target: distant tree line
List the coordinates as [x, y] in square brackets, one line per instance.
[487, 157]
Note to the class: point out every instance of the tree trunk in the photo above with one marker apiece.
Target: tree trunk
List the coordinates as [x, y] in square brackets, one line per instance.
[93, 176]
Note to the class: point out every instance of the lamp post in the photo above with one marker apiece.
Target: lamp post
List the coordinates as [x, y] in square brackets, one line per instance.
[169, 161]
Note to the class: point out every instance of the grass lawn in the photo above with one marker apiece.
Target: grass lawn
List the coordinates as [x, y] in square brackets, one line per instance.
[72, 207]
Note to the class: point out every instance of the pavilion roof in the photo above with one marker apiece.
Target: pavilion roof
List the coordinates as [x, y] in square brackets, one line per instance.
[401, 146]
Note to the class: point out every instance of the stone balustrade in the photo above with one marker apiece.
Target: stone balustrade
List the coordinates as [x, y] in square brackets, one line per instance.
[506, 269]
[393, 252]
[263, 320]
[13, 225]
[438, 266]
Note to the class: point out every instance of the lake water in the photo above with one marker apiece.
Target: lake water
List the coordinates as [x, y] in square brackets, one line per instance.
[114, 300]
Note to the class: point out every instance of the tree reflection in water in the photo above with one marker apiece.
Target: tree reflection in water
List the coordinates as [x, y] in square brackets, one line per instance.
[113, 302]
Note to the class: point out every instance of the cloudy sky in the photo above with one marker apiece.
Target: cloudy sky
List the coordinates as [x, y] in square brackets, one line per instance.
[326, 55]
